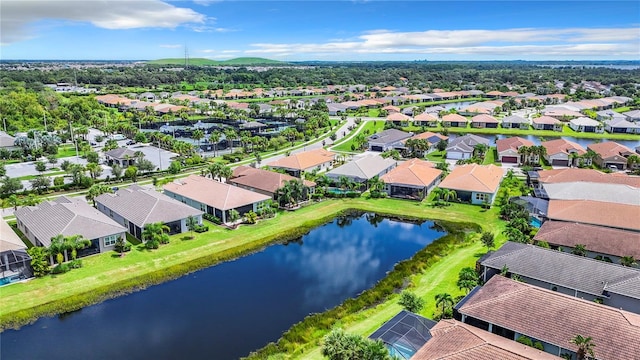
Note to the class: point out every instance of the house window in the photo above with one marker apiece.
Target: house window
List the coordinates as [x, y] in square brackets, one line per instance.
[481, 197]
[110, 240]
[110, 213]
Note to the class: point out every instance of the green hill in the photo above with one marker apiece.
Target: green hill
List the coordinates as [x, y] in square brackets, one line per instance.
[243, 61]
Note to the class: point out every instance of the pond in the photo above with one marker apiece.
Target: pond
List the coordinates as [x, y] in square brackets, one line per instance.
[229, 310]
[536, 140]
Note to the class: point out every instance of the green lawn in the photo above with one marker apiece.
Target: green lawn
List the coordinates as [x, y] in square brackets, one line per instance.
[371, 126]
[66, 151]
[50, 173]
[622, 109]
[491, 156]
[106, 273]
[436, 156]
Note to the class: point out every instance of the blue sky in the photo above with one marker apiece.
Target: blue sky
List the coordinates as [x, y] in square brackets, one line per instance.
[327, 30]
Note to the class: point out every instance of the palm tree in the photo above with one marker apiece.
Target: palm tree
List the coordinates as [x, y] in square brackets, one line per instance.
[95, 191]
[628, 261]
[467, 279]
[57, 247]
[445, 300]
[375, 184]
[191, 223]
[523, 151]
[632, 161]
[230, 134]
[155, 234]
[197, 135]
[585, 346]
[449, 194]
[344, 182]
[214, 138]
[75, 243]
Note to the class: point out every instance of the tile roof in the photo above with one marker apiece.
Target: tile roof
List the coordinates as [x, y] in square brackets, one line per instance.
[562, 146]
[473, 177]
[610, 149]
[425, 117]
[66, 216]
[545, 120]
[430, 136]
[620, 216]
[305, 160]
[515, 119]
[364, 167]
[389, 136]
[595, 238]
[584, 121]
[414, 172]
[454, 340]
[9, 240]
[397, 116]
[454, 118]
[555, 318]
[484, 118]
[587, 175]
[213, 193]
[563, 269]
[512, 143]
[582, 190]
[143, 206]
[260, 179]
[121, 153]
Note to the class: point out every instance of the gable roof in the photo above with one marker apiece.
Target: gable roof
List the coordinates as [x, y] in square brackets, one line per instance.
[609, 149]
[562, 146]
[584, 121]
[554, 318]
[474, 177]
[545, 120]
[143, 206]
[595, 238]
[414, 172]
[620, 216]
[364, 167]
[432, 137]
[397, 116]
[260, 179]
[454, 340]
[389, 136]
[425, 117]
[66, 216]
[563, 269]
[305, 160]
[512, 143]
[214, 193]
[587, 175]
[9, 240]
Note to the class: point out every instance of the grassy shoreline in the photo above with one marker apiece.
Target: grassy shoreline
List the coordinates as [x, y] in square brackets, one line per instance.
[108, 275]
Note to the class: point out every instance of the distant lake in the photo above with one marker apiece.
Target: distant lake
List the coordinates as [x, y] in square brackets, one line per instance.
[536, 139]
[227, 311]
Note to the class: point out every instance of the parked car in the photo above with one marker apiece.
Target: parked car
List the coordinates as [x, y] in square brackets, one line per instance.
[131, 142]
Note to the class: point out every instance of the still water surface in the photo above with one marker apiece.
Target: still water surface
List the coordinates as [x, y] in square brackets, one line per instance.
[228, 310]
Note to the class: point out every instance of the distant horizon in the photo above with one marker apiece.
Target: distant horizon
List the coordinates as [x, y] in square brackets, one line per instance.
[342, 31]
[336, 61]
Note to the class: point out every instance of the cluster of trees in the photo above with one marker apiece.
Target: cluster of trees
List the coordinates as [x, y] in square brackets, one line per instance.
[61, 248]
[339, 345]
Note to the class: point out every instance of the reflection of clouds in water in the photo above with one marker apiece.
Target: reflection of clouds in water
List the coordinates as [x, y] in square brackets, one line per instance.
[334, 264]
[418, 234]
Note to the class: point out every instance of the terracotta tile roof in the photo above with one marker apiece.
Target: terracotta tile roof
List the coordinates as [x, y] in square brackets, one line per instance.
[586, 175]
[595, 238]
[454, 340]
[512, 143]
[562, 146]
[473, 177]
[454, 118]
[560, 113]
[495, 93]
[545, 120]
[391, 108]
[555, 318]
[9, 240]
[610, 149]
[430, 135]
[425, 117]
[213, 193]
[305, 160]
[619, 216]
[264, 180]
[414, 172]
[397, 116]
[484, 118]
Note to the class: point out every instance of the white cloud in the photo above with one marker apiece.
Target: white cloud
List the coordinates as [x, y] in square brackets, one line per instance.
[205, 2]
[17, 16]
[171, 46]
[506, 42]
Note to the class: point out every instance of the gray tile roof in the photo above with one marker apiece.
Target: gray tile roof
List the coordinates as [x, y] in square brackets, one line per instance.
[579, 190]
[365, 167]
[466, 143]
[143, 206]
[515, 119]
[389, 136]
[121, 153]
[9, 240]
[563, 269]
[66, 216]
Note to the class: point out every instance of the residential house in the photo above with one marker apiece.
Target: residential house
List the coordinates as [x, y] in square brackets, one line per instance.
[454, 120]
[600, 242]
[307, 161]
[484, 121]
[535, 178]
[566, 273]
[608, 115]
[15, 263]
[621, 126]
[477, 184]
[432, 138]
[507, 149]
[263, 181]
[136, 207]
[633, 115]
[450, 339]
[412, 179]
[515, 122]
[609, 214]
[610, 153]
[68, 217]
[513, 309]
[585, 124]
[122, 156]
[564, 112]
[426, 119]
[336, 109]
[463, 147]
[363, 168]
[214, 197]
[388, 140]
[404, 334]
[6, 140]
[585, 190]
[561, 152]
[546, 123]
[399, 119]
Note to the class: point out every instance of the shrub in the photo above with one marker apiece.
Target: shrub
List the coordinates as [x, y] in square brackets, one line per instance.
[61, 269]
[525, 341]
[75, 264]
[58, 181]
[411, 302]
[201, 228]
[212, 218]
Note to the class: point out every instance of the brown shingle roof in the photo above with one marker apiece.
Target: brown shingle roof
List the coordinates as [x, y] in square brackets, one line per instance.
[595, 238]
[305, 160]
[587, 175]
[620, 216]
[264, 180]
[555, 318]
[513, 143]
[414, 172]
[213, 193]
[454, 340]
[473, 177]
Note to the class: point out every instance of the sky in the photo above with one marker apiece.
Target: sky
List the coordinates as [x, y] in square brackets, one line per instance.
[359, 30]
